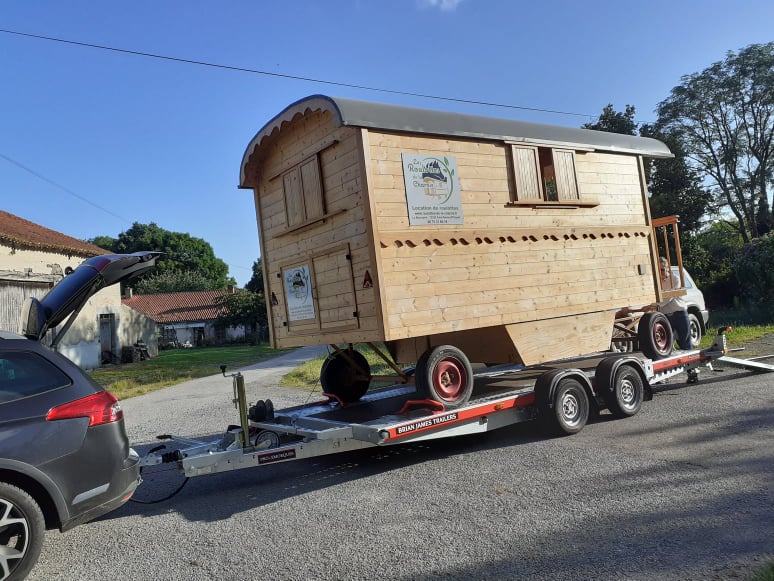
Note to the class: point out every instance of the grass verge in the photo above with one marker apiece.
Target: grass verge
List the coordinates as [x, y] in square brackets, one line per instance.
[175, 366]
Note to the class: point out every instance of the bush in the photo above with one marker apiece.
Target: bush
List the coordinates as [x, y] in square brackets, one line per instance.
[754, 272]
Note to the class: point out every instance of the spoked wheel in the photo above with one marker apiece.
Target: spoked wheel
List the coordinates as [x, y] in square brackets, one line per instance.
[21, 532]
[444, 374]
[627, 392]
[341, 378]
[655, 335]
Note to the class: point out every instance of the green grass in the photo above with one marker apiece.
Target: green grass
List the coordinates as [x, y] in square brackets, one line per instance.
[175, 366]
[178, 365]
[765, 574]
[308, 374]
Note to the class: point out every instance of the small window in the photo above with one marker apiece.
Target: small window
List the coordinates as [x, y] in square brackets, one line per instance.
[303, 190]
[543, 174]
[23, 373]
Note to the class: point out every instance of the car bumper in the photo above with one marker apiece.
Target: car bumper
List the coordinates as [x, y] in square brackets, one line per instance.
[121, 489]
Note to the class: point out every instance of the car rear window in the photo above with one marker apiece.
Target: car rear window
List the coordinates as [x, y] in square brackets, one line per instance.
[23, 373]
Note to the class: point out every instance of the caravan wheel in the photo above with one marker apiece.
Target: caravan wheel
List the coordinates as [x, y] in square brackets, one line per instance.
[444, 374]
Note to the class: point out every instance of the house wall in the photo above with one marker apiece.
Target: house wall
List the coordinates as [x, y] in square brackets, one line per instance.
[81, 343]
[135, 327]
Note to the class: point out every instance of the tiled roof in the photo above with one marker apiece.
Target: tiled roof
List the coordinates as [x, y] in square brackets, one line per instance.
[177, 307]
[25, 235]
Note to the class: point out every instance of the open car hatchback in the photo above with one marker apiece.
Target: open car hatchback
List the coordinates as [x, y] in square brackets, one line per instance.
[64, 454]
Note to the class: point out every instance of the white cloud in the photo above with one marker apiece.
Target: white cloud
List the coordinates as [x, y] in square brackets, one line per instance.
[444, 5]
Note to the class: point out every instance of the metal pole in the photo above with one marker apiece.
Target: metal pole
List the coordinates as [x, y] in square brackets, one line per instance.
[242, 403]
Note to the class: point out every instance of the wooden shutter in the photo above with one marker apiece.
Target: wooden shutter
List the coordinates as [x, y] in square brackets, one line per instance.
[566, 181]
[294, 197]
[312, 188]
[526, 173]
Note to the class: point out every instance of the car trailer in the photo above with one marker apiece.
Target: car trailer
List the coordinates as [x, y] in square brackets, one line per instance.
[561, 396]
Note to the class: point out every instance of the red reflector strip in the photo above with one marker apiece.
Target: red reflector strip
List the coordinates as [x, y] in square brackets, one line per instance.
[450, 418]
[100, 408]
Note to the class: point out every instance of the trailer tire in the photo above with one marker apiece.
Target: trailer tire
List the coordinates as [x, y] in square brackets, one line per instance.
[655, 336]
[626, 393]
[444, 374]
[338, 377]
[566, 411]
[23, 527]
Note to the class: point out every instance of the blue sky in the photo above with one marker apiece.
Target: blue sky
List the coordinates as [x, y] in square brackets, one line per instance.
[93, 140]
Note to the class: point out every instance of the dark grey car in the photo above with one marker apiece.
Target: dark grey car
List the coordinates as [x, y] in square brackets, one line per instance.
[64, 455]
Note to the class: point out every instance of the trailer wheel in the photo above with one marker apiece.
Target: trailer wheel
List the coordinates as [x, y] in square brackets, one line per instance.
[655, 336]
[444, 374]
[338, 377]
[568, 410]
[627, 392]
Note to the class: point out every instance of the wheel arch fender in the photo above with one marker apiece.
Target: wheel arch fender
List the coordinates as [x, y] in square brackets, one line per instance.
[39, 486]
[609, 366]
[547, 382]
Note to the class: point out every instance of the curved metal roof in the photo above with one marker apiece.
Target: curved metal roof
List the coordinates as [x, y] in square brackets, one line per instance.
[414, 120]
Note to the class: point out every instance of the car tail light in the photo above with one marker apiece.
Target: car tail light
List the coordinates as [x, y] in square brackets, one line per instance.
[100, 408]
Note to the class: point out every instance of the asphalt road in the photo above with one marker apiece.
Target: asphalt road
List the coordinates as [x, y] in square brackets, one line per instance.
[681, 491]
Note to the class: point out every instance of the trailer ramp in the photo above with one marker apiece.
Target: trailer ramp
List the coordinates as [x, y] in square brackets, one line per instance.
[751, 364]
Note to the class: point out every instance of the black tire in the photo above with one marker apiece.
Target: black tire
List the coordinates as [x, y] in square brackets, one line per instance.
[567, 410]
[338, 377]
[655, 335]
[445, 375]
[627, 392]
[694, 328]
[22, 528]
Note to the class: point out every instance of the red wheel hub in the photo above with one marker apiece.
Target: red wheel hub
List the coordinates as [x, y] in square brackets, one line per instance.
[449, 379]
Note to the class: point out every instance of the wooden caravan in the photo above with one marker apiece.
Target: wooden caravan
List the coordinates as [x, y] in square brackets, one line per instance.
[451, 238]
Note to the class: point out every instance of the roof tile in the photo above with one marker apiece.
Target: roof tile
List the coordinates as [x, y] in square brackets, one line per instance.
[19, 233]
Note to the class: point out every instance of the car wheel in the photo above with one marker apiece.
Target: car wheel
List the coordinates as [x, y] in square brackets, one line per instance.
[21, 532]
[695, 328]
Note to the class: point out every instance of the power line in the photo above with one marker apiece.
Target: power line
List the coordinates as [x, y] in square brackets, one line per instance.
[61, 187]
[294, 77]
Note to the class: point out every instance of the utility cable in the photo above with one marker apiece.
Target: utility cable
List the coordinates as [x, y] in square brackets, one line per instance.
[294, 77]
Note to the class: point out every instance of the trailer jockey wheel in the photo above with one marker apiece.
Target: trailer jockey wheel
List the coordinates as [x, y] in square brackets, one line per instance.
[340, 378]
[444, 374]
[655, 336]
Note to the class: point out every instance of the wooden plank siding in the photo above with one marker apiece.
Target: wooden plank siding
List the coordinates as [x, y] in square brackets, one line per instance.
[338, 248]
[508, 265]
[539, 281]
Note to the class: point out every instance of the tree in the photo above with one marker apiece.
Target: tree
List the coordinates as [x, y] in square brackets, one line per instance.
[182, 253]
[171, 281]
[675, 187]
[242, 307]
[614, 121]
[724, 117]
[255, 284]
